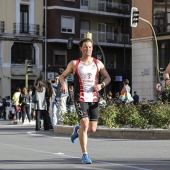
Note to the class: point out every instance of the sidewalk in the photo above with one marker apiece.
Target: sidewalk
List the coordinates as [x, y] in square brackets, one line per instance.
[15, 122]
[124, 133]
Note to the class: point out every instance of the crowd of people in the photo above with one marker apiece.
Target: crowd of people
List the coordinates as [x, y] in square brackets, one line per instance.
[47, 111]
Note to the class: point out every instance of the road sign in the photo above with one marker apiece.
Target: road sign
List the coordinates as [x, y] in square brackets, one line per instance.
[159, 86]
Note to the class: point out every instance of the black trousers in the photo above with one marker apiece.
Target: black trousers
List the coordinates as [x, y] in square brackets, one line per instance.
[42, 115]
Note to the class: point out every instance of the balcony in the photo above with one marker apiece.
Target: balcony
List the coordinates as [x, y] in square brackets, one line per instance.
[107, 37]
[102, 5]
[31, 29]
[2, 26]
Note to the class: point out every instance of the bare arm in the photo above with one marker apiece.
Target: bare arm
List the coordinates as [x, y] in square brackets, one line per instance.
[67, 71]
[166, 75]
[105, 74]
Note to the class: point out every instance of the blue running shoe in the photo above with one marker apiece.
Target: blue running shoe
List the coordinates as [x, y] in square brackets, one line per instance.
[86, 159]
[75, 135]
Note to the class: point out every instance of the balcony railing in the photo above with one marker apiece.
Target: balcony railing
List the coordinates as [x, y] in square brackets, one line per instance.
[114, 7]
[107, 37]
[2, 26]
[31, 29]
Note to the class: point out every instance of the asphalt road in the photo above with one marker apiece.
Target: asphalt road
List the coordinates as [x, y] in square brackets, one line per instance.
[23, 148]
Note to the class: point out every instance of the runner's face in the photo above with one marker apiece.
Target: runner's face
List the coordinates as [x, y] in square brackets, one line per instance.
[87, 49]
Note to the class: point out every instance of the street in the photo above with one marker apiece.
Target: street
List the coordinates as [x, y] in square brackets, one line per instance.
[23, 148]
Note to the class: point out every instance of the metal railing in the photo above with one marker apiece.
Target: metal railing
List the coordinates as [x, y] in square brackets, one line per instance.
[107, 37]
[21, 28]
[2, 26]
[114, 7]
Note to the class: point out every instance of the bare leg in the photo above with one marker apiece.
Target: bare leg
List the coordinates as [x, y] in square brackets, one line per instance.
[85, 126]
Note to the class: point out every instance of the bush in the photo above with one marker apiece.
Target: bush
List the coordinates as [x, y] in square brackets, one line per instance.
[70, 119]
[144, 115]
[129, 115]
[107, 116]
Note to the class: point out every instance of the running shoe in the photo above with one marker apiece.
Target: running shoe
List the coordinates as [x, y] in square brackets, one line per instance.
[75, 135]
[86, 159]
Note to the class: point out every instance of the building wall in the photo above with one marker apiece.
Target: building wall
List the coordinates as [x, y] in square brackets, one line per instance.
[9, 13]
[143, 53]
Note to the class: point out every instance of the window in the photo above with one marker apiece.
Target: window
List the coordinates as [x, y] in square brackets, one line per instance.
[67, 24]
[60, 58]
[21, 52]
[24, 19]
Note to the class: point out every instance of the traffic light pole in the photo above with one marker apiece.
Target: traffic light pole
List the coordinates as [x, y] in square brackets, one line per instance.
[26, 75]
[156, 43]
[26, 80]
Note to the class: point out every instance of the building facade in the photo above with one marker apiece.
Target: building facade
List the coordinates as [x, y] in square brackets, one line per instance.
[149, 57]
[109, 23]
[21, 38]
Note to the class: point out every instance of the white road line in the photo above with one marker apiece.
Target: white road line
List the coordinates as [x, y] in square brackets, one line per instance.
[60, 154]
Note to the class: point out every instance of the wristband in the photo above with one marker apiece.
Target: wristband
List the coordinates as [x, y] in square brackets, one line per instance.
[166, 79]
[102, 85]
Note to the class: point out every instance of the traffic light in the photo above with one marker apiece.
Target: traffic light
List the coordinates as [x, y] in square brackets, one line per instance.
[161, 71]
[134, 17]
[28, 67]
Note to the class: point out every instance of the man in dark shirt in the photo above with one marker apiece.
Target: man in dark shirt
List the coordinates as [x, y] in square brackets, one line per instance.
[136, 98]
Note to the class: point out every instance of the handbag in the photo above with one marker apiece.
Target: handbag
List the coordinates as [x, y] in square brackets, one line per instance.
[129, 98]
[35, 97]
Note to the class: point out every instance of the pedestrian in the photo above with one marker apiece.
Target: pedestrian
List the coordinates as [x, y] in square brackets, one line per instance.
[40, 105]
[16, 104]
[109, 99]
[70, 99]
[102, 101]
[48, 96]
[56, 113]
[86, 93]
[124, 92]
[63, 98]
[24, 101]
[135, 98]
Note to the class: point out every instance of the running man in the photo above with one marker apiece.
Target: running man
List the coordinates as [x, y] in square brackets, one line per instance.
[86, 95]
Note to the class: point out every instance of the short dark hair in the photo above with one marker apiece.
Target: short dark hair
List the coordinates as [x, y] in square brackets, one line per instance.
[85, 40]
[126, 81]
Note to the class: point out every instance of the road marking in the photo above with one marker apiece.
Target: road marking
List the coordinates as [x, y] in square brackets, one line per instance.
[60, 154]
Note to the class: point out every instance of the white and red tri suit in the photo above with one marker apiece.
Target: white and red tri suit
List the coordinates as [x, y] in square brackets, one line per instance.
[87, 77]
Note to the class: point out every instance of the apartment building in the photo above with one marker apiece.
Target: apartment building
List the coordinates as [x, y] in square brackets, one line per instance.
[109, 23]
[21, 38]
[148, 57]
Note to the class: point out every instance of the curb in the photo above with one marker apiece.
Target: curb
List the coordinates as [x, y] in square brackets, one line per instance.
[119, 133]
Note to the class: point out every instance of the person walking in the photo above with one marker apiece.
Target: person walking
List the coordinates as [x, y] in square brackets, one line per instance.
[56, 117]
[16, 104]
[135, 98]
[126, 89]
[24, 100]
[63, 98]
[70, 99]
[86, 93]
[40, 106]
